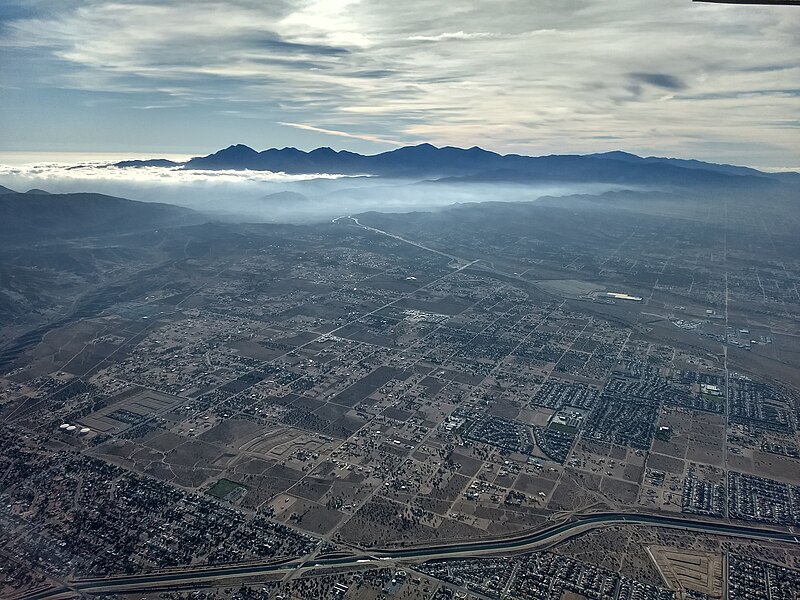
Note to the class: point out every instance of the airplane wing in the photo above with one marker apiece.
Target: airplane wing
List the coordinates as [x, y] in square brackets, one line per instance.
[761, 2]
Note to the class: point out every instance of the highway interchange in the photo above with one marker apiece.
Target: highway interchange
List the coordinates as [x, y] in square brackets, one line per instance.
[192, 576]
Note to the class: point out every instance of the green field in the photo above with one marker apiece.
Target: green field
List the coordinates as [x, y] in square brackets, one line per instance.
[562, 428]
[223, 487]
[713, 398]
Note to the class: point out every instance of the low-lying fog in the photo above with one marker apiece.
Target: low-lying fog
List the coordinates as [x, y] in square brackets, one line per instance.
[273, 197]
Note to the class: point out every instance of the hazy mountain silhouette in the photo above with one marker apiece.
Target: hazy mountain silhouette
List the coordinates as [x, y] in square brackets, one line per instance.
[788, 176]
[152, 162]
[475, 164]
[285, 198]
[39, 215]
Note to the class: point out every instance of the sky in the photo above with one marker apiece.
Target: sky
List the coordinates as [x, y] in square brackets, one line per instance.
[188, 77]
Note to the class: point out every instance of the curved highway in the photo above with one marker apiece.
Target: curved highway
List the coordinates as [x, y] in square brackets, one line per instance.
[529, 542]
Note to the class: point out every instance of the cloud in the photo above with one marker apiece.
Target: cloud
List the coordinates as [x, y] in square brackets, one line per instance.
[662, 80]
[58, 173]
[249, 194]
[455, 35]
[533, 76]
[355, 136]
[231, 192]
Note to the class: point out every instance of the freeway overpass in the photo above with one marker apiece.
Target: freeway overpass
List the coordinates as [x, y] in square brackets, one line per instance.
[544, 538]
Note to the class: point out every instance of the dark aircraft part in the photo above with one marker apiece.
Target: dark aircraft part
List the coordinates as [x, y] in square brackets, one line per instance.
[761, 2]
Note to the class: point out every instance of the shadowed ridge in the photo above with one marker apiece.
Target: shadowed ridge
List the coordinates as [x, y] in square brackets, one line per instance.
[33, 217]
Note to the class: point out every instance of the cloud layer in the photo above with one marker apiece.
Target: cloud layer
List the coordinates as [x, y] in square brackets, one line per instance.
[262, 196]
[534, 76]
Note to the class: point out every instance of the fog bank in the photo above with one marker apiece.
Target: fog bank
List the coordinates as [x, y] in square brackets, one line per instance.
[273, 197]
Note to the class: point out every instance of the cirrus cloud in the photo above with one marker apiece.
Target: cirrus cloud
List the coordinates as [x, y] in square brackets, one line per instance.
[532, 76]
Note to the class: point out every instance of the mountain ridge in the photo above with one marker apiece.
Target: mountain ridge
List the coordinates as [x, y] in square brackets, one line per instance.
[41, 216]
[474, 164]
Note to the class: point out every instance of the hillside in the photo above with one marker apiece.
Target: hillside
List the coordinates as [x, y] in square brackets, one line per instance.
[37, 216]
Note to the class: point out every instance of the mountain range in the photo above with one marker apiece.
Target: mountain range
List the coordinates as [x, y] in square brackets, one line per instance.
[476, 164]
[36, 216]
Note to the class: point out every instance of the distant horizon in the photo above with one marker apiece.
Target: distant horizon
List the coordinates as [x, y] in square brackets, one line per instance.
[22, 158]
[682, 79]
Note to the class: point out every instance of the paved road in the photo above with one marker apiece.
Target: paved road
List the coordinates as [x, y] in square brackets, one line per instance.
[356, 222]
[529, 542]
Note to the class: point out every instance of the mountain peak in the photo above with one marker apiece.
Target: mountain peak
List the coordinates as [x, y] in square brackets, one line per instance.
[425, 148]
[237, 148]
[235, 156]
[618, 155]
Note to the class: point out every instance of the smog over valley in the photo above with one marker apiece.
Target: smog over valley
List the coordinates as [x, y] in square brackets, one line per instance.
[362, 300]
